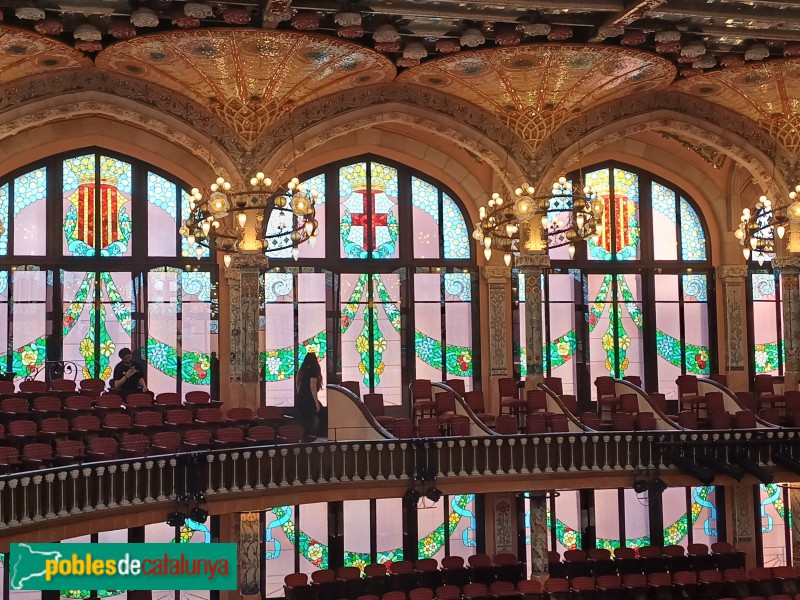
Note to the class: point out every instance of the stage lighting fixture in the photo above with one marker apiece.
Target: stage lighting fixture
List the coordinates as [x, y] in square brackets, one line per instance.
[198, 515]
[176, 519]
[658, 486]
[640, 486]
[433, 495]
[720, 466]
[703, 475]
[752, 467]
[412, 496]
[787, 461]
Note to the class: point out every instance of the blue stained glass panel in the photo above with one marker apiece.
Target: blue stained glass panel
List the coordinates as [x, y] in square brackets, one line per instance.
[456, 235]
[693, 240]
[695, 288]
[30, 213]
[4, 219]
[425, 202]
[162, 215]
[626, 214]
[458, 287]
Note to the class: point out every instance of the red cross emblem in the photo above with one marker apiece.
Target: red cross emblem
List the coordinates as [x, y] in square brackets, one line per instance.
[362, 219]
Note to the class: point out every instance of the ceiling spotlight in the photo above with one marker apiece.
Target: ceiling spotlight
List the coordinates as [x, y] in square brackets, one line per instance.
[176, 519]
[412, 496]
[433, 494]
[640, 486]
[198, 515]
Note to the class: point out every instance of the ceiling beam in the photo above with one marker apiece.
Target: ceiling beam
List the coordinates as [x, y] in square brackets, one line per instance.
[633, 11]
[699, 10]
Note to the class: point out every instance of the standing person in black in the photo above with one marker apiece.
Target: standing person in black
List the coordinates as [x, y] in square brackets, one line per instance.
[128, 375]
[306, 401]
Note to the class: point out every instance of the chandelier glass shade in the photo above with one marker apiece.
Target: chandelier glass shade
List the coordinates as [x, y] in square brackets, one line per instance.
[261, 218]
[567, 215]
[760, 227]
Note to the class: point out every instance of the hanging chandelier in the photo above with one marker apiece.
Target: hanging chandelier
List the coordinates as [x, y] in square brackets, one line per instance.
[261, 218]
[761, 226]
[569, 214]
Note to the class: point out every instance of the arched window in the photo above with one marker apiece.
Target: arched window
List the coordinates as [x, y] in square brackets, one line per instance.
[639, 301]
[390, 281]
[111, 272]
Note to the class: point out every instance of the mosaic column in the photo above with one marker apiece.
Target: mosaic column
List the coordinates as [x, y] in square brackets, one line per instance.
[790, 303]
[538, 533]
[733, 278]
[249, 539]
[499, 293]
[740, 509]
[244, 283]
[533, 265]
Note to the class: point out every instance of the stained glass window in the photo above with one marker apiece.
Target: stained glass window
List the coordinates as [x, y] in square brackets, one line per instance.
[369, 213]
[98, 312]
[280, 541]
[766, 322]
[596, 304]
[279, 221]
[773, 515]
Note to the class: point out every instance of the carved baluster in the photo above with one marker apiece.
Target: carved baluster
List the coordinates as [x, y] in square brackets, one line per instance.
[234, 485]
[3, 523]
[246, 455]
[333, 478]
[462, 472]
[87, 503]
[356, 476]
[25, 482]
[512, 442]
[173, 465]
[259, 456]
[73, 474]
[560, 467]
[379, 448]
[309, 450]
[367, 452]
[450, 444]
[161, 463]
[12, 485]
[583, 453]
[342, 449]
[284, 454]
[62, 477]
[616, 439]
[628, 464]
[100, 471]
[37, 492]
[486, 443]
[391, 476]
[49, 478]
[650, 464]
[221, 458]
[321, 451]
[524, 450]
[475, 471]
[499, 443]
[148, 466]
[296, 454]
[210, 458]
[271, 453]
[595, 466]
[439, 459]
[403, 474]
[547, 441]
[536, 442]
[137, 466]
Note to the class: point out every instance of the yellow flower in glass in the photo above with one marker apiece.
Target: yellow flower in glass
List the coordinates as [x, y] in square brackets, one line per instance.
[362, 344]
[29, 357]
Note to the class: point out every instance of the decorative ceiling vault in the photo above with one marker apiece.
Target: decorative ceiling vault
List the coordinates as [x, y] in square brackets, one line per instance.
[537, 88]
[23, 54]
[247, 76]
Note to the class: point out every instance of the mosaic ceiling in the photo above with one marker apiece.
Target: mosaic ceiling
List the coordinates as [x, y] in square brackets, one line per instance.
[247, 76]
[536, 88]
[23, 54]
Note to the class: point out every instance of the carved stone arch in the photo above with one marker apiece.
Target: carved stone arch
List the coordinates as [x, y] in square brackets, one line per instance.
[756, 160]
[291, 152]
[462, 118]
[48, 126]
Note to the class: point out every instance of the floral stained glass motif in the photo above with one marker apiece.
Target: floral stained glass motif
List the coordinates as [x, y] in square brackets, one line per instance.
[768, 354]
[693, 239]
[97, 215]
[30, 213]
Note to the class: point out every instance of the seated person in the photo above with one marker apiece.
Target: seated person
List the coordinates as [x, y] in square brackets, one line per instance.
[128, 377]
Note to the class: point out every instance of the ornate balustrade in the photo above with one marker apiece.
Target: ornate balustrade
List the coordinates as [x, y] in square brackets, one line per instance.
[33, 499]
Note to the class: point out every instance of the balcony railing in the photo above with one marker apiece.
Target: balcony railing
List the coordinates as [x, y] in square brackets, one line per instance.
[34, 498]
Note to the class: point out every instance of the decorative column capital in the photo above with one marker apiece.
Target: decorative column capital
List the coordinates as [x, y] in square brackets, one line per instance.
[789, 263]
[496, 274]
[534, 260]
[733, 273]
[249, 261]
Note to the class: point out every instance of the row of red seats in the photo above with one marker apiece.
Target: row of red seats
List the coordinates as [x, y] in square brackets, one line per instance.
[90, 387]
[64, 451]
